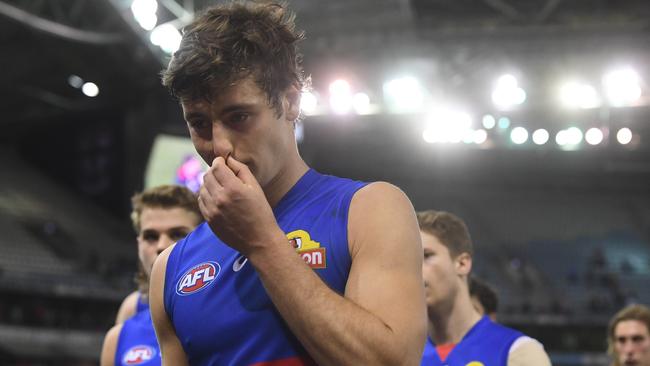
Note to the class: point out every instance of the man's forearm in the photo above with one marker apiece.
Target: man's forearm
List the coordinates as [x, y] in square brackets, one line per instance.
[333, 329]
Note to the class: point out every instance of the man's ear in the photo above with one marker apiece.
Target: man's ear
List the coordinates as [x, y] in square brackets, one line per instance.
[292, 103]
[463, 264]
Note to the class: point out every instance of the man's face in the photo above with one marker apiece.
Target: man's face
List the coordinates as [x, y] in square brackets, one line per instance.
[438, 271]
[160, 228]
[239, 121]
[632, 343]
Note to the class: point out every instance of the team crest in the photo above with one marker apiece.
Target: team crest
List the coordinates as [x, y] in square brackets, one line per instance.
[138, 355]
[308, 249]
[197, 278]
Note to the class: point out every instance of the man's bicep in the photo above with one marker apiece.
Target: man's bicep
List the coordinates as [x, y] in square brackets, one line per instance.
[170, 347]
[386, 273]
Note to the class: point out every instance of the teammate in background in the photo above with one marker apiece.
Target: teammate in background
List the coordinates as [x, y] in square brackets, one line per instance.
[292, 267]
[484, 298]
[161, 216]
[458, 334]
[628, 336]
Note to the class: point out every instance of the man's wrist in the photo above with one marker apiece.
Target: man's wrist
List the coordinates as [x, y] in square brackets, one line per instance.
[270, 249]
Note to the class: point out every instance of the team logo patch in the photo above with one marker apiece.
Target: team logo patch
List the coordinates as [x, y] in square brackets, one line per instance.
[198, 278]
[138, 355]
[308, 249]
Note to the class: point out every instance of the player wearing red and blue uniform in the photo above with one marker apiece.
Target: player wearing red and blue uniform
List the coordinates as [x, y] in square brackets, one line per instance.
[486, 343]
[137, 344]
[458, 334]
[292, 267]
[209, 283]
[161, 216]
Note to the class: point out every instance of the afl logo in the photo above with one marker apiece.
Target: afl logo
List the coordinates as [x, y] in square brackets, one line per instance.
[198, 278]
[138, 355]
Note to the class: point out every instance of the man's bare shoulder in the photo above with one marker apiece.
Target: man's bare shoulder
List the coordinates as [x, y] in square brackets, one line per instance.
[529, 352]
[128, 307]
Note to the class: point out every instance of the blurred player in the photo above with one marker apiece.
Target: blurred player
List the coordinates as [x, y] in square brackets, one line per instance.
[161, 216]
[628, 336]
[484, 298]
[458, 334]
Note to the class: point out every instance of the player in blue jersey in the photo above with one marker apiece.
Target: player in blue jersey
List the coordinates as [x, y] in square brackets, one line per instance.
[292, 267]
[458, 334]
[161, 216]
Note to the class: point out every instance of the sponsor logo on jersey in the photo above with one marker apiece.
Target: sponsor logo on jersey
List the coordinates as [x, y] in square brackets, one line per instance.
[475, 363]
[239, 263]
[198, 278]
[138, 355]
[308, 249]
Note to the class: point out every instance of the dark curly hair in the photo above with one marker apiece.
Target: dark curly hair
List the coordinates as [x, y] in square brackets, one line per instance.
[229, 42]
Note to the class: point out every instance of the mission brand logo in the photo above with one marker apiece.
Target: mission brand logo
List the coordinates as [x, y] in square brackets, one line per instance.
[138, 355]
[198, 278]
[308, 249]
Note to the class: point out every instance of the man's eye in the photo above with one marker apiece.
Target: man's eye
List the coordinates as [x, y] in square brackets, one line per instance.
[239, 117]
[177, 235]
[150, 237]
[197, 124]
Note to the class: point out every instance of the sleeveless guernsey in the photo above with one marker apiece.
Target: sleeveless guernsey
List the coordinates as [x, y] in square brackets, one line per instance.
[215, 301]
[137, 344]
[486, 344]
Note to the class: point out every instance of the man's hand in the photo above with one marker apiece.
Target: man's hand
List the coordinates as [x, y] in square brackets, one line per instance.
[235, 207]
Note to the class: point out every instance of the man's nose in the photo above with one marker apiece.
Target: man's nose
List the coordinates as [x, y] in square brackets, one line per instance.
[163, 243]
[221, 143]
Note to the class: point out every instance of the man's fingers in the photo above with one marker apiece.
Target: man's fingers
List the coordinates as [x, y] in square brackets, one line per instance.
[202, 207]
[241, 170]
[224, 173]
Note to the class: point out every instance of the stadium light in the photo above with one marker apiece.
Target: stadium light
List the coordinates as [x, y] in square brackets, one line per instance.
[447, 126]
[308, 103]
[507, 93]
[167, 37]
[561, 138]
[340, 96]
[489, 122]
[579, 95]
[574, 136]
[504, 123]
[540, 136]
[144, 12]
[361, 103]
[404, 94]
[622, 87]
[594, 136]
[480, 136]
[90, 89]
[75, 81]
[624, 136]
[519, 135]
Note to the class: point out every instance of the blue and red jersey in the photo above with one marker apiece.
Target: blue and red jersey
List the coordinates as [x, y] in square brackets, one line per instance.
[215, 300]
[136, 343]
[487, 343]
